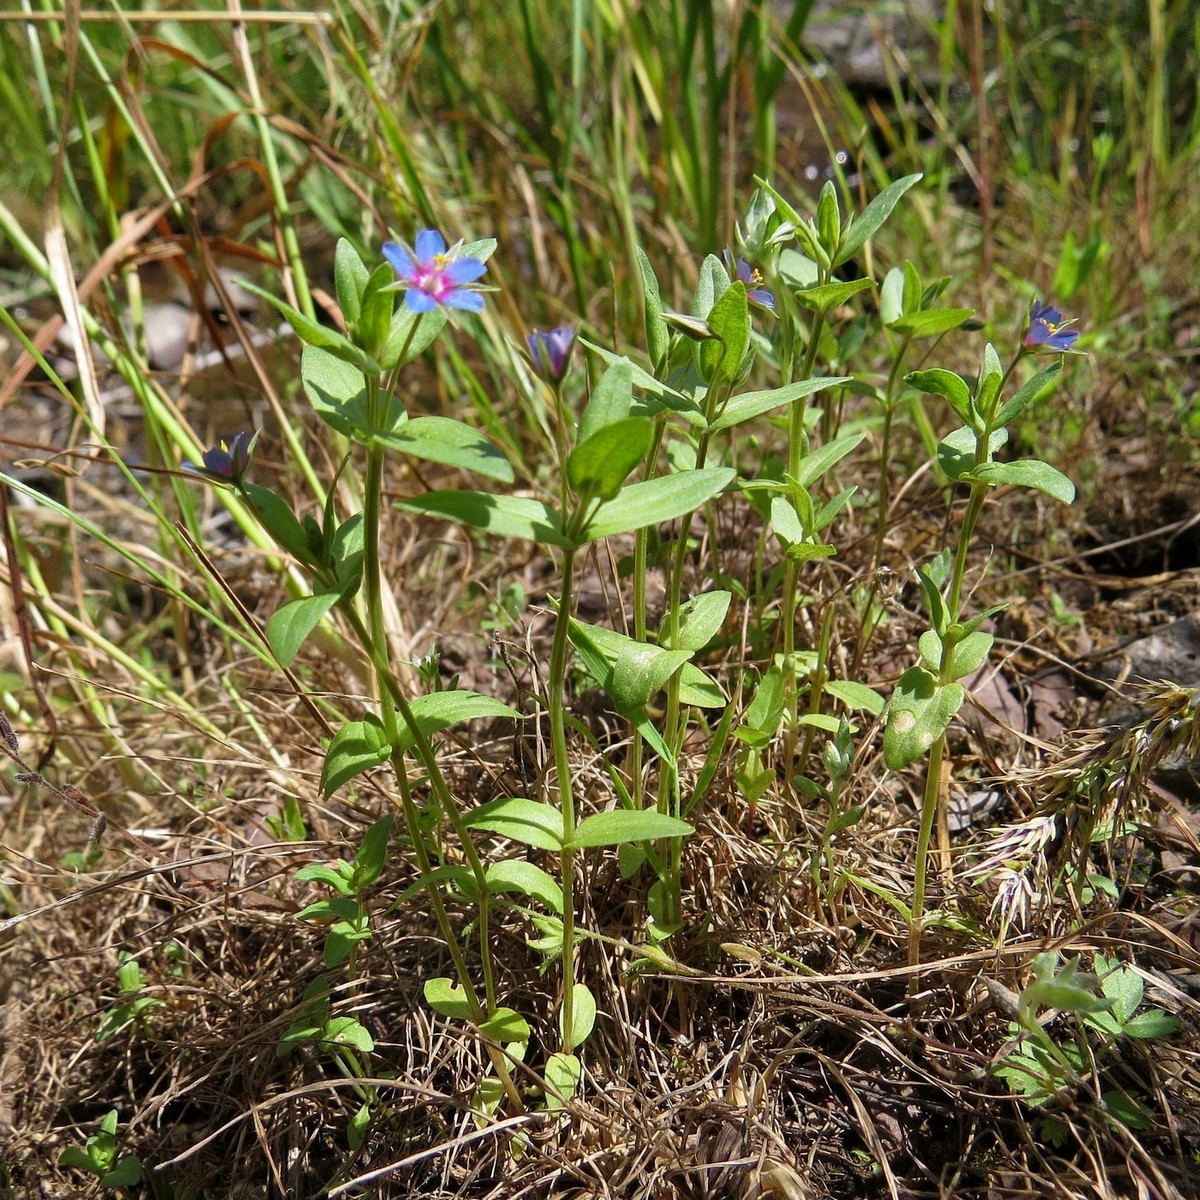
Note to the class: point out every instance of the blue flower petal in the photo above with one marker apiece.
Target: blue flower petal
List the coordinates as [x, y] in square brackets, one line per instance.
[429, 245]
[399, 259]
[470, 301]
[419, 301]
[464, 270]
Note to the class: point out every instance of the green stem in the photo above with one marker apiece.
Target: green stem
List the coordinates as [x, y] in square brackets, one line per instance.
[566, 798]
[797, 445]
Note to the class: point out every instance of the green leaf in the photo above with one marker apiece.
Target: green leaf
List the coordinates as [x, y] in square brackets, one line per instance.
[314, 334]
[517, 875]
[660, 393]
[919, 711]
[1028, 472]
[505, 516]
[932, 321]
[346, 553]
[378, 305]
[611, 400]
[404, 342]
[951, 388]
[563, 1073]
[713, 282]
[337, 877]
[654, 501]
[640, 672]
[357, 747]
[748, 405]
[698, 689]
[720, 358]
[825, 296]
[291, 624]
[814, 464]
[526, 821]
[346, 1031]
[700, 620]
[504, 1026]
[989, 383]
[829, 219]
[332, 908]
[442, 440]
[279, 521]
[372, 852]
[127, 1173]
[620, 825]
[969, 655]
[350, 278]
[599, 466]
[871, 218]
[436, 711]
[957, 451]
[891, 298]
[583, 1014]
[1152, 1024]
[1028, 392]
[447, 999]
[856, 695]
[337, 392]
[657, 338]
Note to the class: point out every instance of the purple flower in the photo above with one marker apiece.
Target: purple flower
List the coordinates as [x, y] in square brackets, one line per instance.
[752, 278]
[226, 464]
[550, 350]
[430, 277]
[1047, 328]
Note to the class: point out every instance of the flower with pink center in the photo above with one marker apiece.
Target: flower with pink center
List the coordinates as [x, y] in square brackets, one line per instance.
[431, 277]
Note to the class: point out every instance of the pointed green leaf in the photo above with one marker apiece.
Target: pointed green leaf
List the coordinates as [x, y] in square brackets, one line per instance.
[372, 852]
[516, 875]
[291, 624]
[720, 357]
[1028, 392]
[950, 387]
[713, 282]
[657, 338]
[698, 689]
[357, 747]
[610, 401]
[314, 334]
[856, 695]
[442, 440]
[654, 501]
[278, 520]
[700, 620]
[436, 711]
[891, 298]
[350, 278]
[410, 335]
[506, 516]
[825, 296]
[599, 466]
[621, 825]
[661, 395]
[932, 321]
[814, 464]
[526, 821]
[957, 451]
[1028, 472]
[918, 714]
[867, 223]
[748, 405]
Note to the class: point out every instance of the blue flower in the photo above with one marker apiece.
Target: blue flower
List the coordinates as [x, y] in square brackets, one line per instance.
[550, 350]
[431, 277]
[1047, 328]
[225, 464]
[744, 273]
